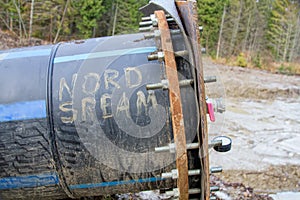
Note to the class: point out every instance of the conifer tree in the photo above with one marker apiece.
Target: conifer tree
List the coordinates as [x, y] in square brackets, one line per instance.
[89, 13]
[210, 16]
[128, 15]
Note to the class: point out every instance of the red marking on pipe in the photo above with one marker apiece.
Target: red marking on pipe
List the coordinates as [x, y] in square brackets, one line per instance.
[211, 112]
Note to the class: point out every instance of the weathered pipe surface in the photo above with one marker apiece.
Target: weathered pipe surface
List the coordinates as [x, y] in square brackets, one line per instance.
[76, 119]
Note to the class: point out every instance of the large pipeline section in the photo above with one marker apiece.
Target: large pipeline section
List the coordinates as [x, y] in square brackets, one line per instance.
[87, 118]
[77, 120]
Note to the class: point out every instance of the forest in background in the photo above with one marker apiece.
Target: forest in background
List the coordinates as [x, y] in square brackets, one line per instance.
[246, 32]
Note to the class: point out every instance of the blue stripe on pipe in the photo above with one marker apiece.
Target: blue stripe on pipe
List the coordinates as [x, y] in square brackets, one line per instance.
[48, 179]
[114, 183]
[104, 54]
[23, 111]
[30, 181]
[24, 54]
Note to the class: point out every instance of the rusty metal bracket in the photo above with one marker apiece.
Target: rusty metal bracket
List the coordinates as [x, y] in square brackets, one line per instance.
[175, 104]
[184, 12]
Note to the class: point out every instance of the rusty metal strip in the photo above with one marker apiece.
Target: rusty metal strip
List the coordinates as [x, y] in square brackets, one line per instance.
[189, 16]
[175, 104]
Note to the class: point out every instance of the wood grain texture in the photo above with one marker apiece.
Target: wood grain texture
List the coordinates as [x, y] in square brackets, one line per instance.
[175, 104]
[189, 16]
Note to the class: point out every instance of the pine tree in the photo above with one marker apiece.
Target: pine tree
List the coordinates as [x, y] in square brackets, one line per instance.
[128, 15]
[295, 46]
[257, 39]
[245, 27]
[8, 14]
[210, 16]
[106, 21]
[89, 12]
[278, 29]
[47, 18]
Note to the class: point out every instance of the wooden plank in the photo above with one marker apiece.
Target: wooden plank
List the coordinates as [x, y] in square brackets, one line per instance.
[189, 16]
[175, 105]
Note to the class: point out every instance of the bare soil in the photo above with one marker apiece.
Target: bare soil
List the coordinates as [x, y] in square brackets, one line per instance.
[9, 40]
[272, 180]
[262, 118]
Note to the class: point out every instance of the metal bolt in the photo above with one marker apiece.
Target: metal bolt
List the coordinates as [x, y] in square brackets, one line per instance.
[161, 56]
[192, 146]
[210, 79]
[175, 192]
[214, 188]
[157, 56]
[146, 29]
[152, 21]
[216, 170]
[174, 173]
[154, 86]
[215, 143]
[146, 23]
[194, 172]
[175, 31]
[146, 18]
[162, 149]
[170, 20]
[172, 147]
[167, 175]
[151, 16]
[157, 33]
[181, 53]
[194, 191]
[186, 82]
[163, 85]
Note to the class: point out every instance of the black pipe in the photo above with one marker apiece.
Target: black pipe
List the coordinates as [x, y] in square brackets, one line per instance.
[76, 119]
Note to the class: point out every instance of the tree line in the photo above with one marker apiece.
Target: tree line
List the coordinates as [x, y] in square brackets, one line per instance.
[255, 29]
[56, 20]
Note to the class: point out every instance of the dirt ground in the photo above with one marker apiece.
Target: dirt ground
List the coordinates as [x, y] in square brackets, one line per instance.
[262, 118]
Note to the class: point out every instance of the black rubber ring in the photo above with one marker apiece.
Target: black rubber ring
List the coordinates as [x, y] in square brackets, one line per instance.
[223, 147]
